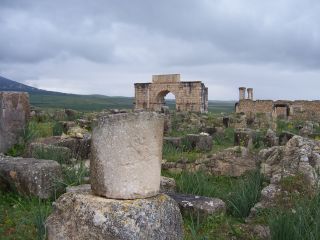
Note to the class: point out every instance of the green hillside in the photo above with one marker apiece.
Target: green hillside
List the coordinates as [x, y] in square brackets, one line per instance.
[79, 102]
[99, 102]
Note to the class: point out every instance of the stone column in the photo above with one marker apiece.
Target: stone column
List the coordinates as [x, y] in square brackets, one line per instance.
[126, 155]
[250, 93]
[14, 113]
[242, 93]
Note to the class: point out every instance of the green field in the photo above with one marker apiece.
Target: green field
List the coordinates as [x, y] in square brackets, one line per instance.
[99, 102]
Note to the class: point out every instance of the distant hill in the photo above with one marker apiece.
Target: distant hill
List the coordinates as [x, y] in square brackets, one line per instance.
[48, 99]
[10, 85]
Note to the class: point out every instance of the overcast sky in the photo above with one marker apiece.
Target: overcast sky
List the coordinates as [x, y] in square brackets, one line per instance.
[104, 46]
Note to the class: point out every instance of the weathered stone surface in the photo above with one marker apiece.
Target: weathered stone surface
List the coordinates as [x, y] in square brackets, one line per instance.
[233, 161]
[199, 142]
[198, 205]
[49, 152]
[14, 113]
[299, 157]
[126, 155]
[243, 137]
[30, 176]
[307, 129]
[85, 216]
[271, 139]
[167, 185]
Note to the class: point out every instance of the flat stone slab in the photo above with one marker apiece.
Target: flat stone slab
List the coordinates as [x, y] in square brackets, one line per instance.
[29, 176]
[198, 205]
[85, 216]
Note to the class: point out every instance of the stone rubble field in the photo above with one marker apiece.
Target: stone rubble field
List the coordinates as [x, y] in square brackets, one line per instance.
[116, 175]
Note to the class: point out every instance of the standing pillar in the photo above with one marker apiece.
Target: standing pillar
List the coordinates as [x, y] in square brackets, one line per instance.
[242, 93]
[126, 155]
[250, 93]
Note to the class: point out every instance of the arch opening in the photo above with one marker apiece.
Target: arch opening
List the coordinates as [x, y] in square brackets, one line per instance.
[167, 99]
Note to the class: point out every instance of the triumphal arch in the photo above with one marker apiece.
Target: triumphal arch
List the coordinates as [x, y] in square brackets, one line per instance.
[190, 96]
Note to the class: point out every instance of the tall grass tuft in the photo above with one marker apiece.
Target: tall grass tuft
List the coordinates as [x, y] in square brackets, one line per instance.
[301, 222]
[197, 183]
[245, 195]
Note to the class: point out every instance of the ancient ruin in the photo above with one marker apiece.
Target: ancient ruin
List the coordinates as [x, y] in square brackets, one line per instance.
[14, 113]
[190, 96]
[125, 203]
[280, 109]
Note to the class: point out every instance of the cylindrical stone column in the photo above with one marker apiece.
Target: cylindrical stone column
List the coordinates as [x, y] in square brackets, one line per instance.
[126, 155]
[250, 93]
[242, 93]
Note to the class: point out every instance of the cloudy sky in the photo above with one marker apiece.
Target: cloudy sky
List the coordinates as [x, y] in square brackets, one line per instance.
[104, 46]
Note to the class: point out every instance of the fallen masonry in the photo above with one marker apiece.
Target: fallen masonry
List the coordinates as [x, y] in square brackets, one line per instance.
[29, 176]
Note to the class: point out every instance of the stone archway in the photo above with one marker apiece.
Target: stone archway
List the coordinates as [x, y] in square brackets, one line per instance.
[190, 96]
[161, 98]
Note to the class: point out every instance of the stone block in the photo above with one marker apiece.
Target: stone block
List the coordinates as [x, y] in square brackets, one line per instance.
[167, 185]
[14, 113]
[85, 216]
[244, 137]
[198, 205]
[198, 142]
[30, 176]
[126, 155]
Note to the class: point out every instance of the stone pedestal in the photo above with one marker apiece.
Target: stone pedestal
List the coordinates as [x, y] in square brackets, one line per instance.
[14, 113]
[84, 216]
[126, 155]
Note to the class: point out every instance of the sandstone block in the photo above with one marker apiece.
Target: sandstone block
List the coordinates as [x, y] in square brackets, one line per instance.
[126, 155]
[30, 176]
[85, 216]
[14, 113]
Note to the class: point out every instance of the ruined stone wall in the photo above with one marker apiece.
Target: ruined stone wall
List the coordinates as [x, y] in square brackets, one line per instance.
[190, 96]
[284, 109]
[260, 106]
[305, 110]
[14, 113]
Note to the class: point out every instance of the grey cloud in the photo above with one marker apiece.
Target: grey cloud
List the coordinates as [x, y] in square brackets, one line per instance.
[225, 43]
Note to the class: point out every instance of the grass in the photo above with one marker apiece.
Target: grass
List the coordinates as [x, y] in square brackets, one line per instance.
[222, 227]
[22, 217]
[245, 195]
[60, 154]
[174, 154]
[301, 222]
